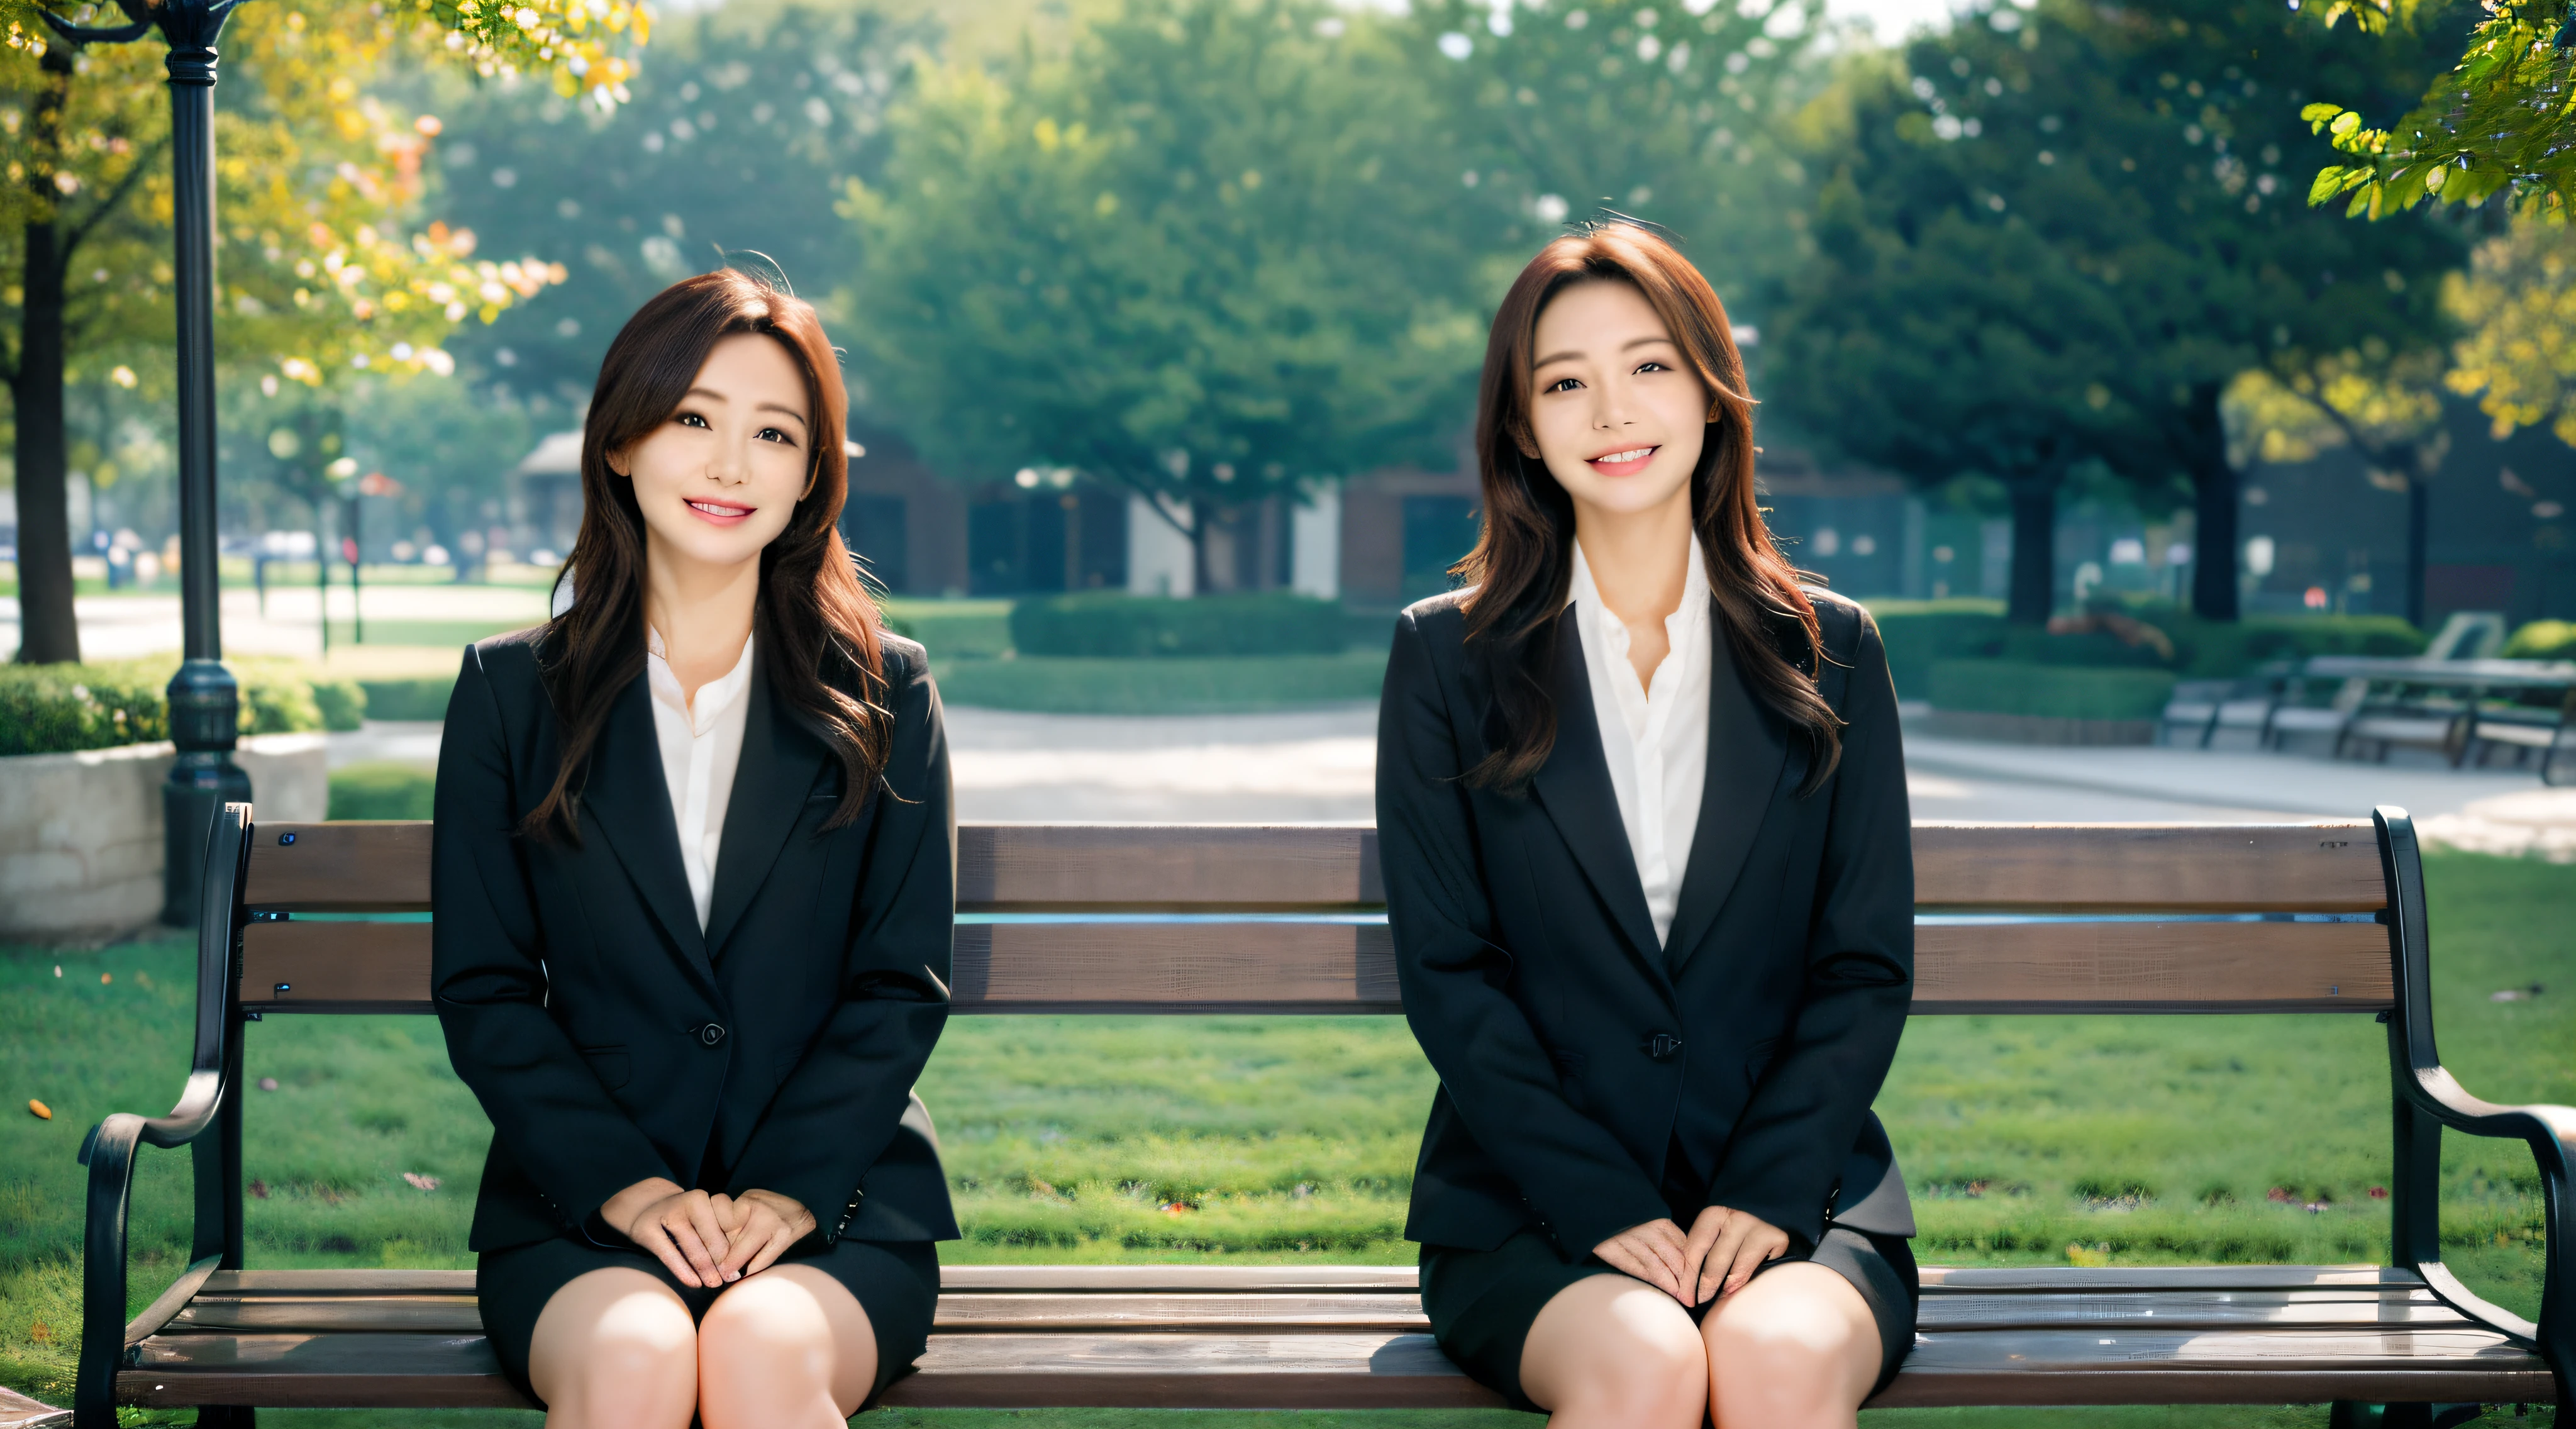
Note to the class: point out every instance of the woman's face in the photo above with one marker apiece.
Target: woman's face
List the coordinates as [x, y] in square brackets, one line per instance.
[719, 480]
[1616, 412]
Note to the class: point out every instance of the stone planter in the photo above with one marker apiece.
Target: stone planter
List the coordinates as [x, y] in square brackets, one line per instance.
[80, 834]
[2034, 729]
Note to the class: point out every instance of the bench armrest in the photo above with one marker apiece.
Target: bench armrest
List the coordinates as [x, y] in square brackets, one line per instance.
[206, 1103]
[2429, 1098]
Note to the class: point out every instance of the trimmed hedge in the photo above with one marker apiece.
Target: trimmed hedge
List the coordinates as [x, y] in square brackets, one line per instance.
[1145, 626]
[382, 791]
[342, 701]
[1161, 685]
[2543, 640]
[2020, 687]
[1921, 633]
[418, 697]
[970, 629]
[55, 709]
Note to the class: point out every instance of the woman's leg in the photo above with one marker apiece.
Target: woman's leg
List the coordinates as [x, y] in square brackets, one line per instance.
[1611, 1352]
[1795, 1349]
[614, 1349]
[789, 1348]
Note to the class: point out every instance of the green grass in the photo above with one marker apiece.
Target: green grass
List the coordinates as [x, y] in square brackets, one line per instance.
[1293, 1139]
[1213, 685]
[953, 629]
[382, 790]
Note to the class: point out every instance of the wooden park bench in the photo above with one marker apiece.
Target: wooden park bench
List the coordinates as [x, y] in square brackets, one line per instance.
[2309, 918]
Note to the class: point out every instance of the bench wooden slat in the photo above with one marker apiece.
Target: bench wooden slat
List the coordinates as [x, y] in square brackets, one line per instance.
[1939, 1280]
[2330, 867]
[1380, 1370]
[1346, 968]
[953, 1279]
[1059, 1312]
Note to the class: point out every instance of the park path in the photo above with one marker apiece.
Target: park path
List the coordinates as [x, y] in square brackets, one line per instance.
[1319, 766]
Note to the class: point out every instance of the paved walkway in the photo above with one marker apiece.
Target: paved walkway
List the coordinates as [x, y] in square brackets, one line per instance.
[125, 627]
[1320, 766]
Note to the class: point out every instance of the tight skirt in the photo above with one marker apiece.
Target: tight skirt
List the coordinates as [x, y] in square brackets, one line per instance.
[1482, 1302]
[896, 1282]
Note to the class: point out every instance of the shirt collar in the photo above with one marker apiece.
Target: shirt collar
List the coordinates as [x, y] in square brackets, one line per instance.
[713, 697]
[1695, 587]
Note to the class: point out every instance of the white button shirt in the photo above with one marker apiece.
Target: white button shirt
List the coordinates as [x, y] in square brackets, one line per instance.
[701, 745]
[1654, 736]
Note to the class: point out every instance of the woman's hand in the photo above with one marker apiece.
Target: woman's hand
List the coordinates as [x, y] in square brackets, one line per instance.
[761, 1225]
[680, 1227]
[1724, 1250]
[1653, 1253]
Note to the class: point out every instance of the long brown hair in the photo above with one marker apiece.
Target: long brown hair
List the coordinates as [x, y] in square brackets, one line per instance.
[1523, 562]
[816, 626]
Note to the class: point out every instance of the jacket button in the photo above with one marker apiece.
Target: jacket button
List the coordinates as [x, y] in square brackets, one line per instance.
[1662, 1047]
[710, 1034]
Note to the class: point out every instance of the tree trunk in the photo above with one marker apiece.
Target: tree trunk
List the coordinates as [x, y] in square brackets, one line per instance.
[2214, 593]
[49, 631]
[1200, 514]
[2419, 521]
[2034, 551]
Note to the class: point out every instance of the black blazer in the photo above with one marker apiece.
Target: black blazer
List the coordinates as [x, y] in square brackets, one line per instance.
[610, 1041]
[1574, 1053]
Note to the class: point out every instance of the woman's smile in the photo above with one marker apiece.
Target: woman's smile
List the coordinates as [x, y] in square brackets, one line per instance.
[1623, 463]
[720, 511]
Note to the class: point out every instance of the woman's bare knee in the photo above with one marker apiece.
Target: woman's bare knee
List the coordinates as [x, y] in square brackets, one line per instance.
[615, 1349]
[1612, 1351]
[788, 1347]
[1796, 1347]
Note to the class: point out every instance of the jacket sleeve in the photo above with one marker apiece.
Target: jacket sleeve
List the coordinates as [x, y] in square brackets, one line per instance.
[488, 979]
[838, 1110]
[1453, 976]
[1805, 1116]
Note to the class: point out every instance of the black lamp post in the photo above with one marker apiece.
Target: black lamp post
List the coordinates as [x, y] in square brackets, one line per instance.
[205, 703]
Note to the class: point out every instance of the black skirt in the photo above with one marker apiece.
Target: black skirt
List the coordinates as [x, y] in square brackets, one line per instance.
[896, 1282]
[1482, 1302]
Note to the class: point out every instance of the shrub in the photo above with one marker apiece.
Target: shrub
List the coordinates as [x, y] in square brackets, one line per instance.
[1103, 623]
[2021, 687]
[54, 709]
[418, 697]
[2543, 640]
[382, 791]
[1919, 632]
[970, 629]
[342, 701]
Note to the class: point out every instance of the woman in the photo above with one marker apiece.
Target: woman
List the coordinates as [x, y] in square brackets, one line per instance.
[1643, 822]
[692, 880]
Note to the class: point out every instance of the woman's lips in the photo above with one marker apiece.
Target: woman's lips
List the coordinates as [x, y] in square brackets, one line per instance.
[1623, 463]
[721, 513]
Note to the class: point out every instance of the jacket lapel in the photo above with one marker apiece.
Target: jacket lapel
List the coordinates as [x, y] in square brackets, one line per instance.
[1574, 787]
[1746, 753]
[777, 770]
[625, 797]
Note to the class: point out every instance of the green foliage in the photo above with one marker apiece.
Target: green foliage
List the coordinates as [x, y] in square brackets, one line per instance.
[418, 697]
[953, 629]
[2494, 122]
[341, 701]
[1203, 255]
[1919, 632]
[1138, 626]
[54, 709]
[1163, 684]
[2543, 640]
[2051, 691]
[383, 790]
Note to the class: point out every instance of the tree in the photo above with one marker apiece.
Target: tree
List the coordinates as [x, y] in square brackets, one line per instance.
[2144, 149]
[1200, 257]
[1672, 113]
[2516, 306]
[317, 179]
[2497, 120]
[740, 137]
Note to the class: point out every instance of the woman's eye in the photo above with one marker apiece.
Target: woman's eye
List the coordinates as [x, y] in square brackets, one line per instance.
[772, 434]
[1563, 384]
[1652, 367]
[690, 419]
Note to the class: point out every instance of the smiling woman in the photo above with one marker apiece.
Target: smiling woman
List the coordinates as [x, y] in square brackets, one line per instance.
[692, 891]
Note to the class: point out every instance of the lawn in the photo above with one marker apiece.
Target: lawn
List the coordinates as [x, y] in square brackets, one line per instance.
[2028, 1140]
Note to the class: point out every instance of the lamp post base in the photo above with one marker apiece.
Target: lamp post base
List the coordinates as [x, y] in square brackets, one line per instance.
[205, 719]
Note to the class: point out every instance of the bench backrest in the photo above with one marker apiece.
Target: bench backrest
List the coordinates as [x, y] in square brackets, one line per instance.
[1179, 918]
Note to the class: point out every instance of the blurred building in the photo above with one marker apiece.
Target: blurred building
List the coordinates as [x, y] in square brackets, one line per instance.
[2328, 535]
